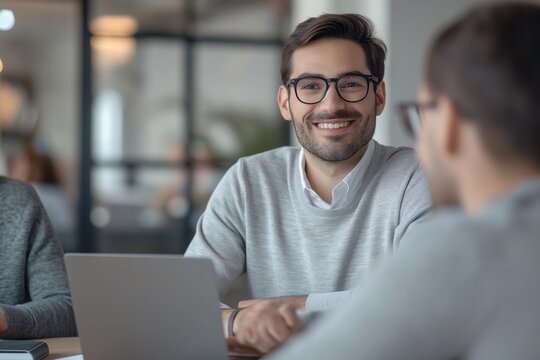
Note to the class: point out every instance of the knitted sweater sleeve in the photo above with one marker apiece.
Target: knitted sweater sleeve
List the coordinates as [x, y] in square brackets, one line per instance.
[34, 291]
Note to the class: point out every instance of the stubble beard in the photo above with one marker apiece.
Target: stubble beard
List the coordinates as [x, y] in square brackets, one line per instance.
[337, 151]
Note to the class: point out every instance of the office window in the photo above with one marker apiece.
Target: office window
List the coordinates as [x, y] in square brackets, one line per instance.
[173, 107]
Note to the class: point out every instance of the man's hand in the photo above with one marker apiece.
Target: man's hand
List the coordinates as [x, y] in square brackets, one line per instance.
[298, 302]
[237, 349]
[264, 325]
[3, 322]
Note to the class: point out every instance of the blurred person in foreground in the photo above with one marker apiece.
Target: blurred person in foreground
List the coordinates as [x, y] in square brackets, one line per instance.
[34, 295]
[468, 288]
[306, 223]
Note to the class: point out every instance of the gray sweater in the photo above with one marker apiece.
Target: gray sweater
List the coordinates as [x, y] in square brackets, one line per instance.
[469, 288]
[259, 221]
[34, 292]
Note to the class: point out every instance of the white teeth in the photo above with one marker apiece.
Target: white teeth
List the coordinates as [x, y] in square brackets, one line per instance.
[332, 125]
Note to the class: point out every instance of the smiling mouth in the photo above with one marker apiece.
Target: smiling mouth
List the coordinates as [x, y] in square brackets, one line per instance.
[333, 125]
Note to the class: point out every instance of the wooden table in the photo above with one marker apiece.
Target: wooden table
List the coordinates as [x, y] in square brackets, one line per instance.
[62, 347]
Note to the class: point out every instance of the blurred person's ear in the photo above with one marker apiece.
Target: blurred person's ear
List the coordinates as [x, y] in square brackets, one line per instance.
[283, 103]
[451, 127]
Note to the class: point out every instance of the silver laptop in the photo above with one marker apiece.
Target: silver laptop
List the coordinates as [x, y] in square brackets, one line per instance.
[146, 307]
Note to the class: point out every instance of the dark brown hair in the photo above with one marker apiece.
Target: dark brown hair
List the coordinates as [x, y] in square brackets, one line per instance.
[353, 27]
[488, 63]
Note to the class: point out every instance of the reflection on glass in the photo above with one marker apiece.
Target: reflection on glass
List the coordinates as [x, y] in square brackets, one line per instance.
[112, 44]
[108, 122]
[114, 25]
[110, 52]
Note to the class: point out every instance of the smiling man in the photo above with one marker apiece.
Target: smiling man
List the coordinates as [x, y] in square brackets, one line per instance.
[306, 223]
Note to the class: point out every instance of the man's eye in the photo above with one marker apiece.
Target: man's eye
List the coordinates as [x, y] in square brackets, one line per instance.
[350, 84]
[311, 86]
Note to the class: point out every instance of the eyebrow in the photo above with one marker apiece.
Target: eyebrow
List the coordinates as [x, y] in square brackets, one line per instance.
[344, 73]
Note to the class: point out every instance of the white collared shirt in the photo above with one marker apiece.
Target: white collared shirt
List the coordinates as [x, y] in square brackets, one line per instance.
[341, 190]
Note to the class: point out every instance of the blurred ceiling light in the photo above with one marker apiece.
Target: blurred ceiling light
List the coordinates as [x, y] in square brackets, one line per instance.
[7, 20]
[111, 51]
[114, 25]
[113, 45]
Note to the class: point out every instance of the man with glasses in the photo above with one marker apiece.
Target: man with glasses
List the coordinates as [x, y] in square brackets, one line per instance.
[468, 288]
[306, 223]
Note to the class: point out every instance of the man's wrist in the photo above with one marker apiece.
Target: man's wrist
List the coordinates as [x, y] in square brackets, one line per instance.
[225, 313]
[300, 302]
[230, 322]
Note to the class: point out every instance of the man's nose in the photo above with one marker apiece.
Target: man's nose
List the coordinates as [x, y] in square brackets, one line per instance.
[332, 100]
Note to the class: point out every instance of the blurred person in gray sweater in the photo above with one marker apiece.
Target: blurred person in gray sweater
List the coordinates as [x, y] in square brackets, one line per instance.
[34, 294]
[468, 288]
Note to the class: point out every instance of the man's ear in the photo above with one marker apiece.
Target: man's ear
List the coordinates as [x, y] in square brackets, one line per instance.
[380, 97]
[283, 103]
[451, 127]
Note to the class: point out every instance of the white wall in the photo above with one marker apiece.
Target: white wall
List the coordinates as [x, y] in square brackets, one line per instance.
[414, 23]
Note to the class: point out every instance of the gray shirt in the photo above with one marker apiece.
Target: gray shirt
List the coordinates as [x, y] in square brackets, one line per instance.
[34, 292]
[259, 221]
[468, 288]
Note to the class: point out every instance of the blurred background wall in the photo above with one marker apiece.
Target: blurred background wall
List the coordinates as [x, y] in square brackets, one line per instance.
[125, 143]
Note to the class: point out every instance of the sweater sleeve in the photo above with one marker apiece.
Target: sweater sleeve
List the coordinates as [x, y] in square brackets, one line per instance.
[329, 300]
[415, 205]
[48, 311]
[220, 234]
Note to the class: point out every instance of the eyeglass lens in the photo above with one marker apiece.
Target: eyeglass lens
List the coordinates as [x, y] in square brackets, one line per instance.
[412, 119]
[351, 88]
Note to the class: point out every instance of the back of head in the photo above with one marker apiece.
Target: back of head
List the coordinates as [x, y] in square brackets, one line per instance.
[488, 63]
[352, 27]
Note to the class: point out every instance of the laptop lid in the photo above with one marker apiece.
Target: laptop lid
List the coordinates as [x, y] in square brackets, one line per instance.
[146, 307]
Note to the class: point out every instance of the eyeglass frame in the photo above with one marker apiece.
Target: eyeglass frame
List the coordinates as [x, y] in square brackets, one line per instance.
[418, 106]
[369, 78]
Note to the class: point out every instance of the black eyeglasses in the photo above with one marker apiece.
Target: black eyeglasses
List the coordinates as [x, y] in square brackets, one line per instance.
[350, 87]
[411, 114]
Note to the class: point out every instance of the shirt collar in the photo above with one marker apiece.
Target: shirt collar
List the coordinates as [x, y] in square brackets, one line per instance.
[340, 193]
